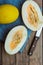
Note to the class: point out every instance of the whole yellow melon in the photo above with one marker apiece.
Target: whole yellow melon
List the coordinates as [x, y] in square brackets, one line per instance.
[8, 14]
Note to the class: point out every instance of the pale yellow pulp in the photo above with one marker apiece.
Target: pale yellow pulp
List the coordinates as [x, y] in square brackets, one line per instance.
[32, 15]
[16, 39]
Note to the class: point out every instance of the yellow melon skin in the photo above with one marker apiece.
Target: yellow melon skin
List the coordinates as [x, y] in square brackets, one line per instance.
[8, 14]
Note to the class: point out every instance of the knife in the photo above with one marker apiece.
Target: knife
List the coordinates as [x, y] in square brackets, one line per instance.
[34, 42]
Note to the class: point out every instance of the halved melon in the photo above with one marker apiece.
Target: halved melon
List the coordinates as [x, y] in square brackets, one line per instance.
[15, 39]
[31, 15]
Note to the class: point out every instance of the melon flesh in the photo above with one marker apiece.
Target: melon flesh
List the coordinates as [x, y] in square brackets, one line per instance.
[31, 15]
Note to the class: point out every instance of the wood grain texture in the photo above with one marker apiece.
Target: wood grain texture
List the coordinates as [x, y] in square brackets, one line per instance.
[19, 58]
[23, 58]
[36, 58]
[0, 54]
[39, 2]
[7, 59]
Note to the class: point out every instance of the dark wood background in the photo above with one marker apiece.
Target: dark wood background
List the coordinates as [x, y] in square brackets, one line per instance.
[23, 58]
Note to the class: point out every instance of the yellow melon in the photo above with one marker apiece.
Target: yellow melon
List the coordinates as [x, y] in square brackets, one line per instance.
[8, 14]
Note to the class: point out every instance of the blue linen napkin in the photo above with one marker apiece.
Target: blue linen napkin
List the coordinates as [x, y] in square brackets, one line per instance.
[5, 28]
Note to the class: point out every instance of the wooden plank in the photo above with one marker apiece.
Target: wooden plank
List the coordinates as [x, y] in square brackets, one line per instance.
[36, 58]
[7, 59]
[0, 54]
[13, 60]
[26, 59]
[19, 59]
[39, 2]
[30, 41]
[23, 58]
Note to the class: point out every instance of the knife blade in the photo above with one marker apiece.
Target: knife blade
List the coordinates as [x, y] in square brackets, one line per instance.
[34, 42]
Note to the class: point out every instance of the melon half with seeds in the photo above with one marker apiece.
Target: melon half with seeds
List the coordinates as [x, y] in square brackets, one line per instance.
[15, 39]
[31, 15]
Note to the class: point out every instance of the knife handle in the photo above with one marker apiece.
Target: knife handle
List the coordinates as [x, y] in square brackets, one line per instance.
[33, 45]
